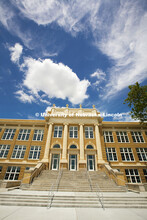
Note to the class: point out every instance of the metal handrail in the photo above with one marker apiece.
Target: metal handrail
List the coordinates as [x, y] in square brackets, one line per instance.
[50, 196]
[98, 191]
[100, 195]
[89, 180]
[52, 189]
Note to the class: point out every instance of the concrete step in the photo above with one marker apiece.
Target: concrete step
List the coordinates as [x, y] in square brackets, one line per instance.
[74, 181]
[86, 200]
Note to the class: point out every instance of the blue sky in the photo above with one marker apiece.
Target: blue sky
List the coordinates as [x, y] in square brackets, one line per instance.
[71, 52]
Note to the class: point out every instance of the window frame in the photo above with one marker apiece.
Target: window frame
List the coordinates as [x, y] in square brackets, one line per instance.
[122, 136]
[34, 151]
[5, 151]
[73, 130]
[135, 136]
[38, 132]
[19, 150]
[140, 153]
[13, 173]
[132, 175]
[112, 153]
[89, 130]
[125, 153]
[145, 174]
[9, 131]
[59, 129]
[24, 136]
[109, 136]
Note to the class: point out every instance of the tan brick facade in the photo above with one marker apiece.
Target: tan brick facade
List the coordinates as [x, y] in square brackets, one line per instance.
[70, 158]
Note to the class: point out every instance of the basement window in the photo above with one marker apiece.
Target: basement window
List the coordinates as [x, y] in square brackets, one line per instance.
[12, 173]
[132, 176]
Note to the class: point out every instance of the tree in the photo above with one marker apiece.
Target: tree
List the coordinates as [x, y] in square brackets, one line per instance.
[137, 100]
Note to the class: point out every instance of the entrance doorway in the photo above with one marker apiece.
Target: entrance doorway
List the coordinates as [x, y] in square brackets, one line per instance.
[73, 162]
[55, 161]
[90, 163]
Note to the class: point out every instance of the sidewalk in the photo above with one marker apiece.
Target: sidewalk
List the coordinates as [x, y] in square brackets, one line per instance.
[41, 213]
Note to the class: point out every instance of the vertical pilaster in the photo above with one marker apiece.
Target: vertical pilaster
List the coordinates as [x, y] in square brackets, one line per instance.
[81, 143]
[98, 144]
[48, 142]
[64, 162]
[64, 153]
[82, 162]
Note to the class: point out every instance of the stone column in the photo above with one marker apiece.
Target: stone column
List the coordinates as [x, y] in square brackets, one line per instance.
[47, 145]
[82, 162]
[81, 143]
[98, 144]
[65, 141]
[64, 151]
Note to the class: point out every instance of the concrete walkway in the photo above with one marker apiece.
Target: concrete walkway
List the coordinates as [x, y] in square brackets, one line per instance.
[41, 213]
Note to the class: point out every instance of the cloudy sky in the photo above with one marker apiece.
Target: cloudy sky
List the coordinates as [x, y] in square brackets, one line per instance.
[70, 52]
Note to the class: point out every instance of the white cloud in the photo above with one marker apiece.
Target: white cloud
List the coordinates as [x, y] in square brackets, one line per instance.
[6, 15]
[55, 80]
[118, 28]
[67, 14]
[24, 97]
[126, 117]
[100, 75]
[16, 52]
[125, 43]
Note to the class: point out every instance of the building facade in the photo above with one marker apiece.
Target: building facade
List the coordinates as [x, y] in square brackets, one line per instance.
[73, 139]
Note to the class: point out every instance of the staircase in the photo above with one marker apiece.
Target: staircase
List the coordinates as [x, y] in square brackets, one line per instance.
[74, 181]
[73, 200]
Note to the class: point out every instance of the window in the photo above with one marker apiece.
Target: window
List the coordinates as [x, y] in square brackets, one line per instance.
[12, 173]
[142, 154]
[145, 173]
[4, 150]
[56, 146]
[126, 154]
[137, 136]
[111, 154]
[19, 152]
[35, 152]
[38, 135]
[132, 176]
[88, 132]
[24, 134]
[108, 136]
[73, 132]
[9, 134]
[1, 168]
[89, 147]
[122, 136]
[58, 131]
[73, 146]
